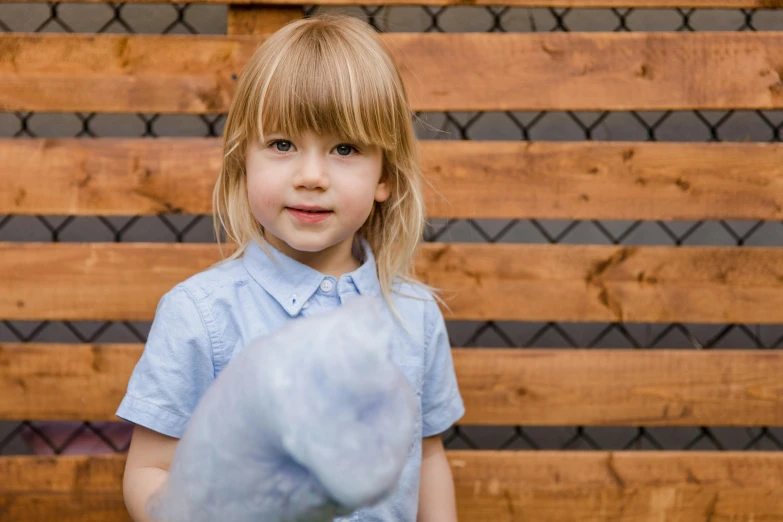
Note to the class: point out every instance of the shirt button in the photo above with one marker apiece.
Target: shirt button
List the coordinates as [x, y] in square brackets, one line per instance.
[326, 285]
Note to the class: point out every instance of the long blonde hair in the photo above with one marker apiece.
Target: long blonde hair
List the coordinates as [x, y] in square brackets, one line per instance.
[329, 74]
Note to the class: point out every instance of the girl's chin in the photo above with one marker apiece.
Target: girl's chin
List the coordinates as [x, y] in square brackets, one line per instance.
[308, 245]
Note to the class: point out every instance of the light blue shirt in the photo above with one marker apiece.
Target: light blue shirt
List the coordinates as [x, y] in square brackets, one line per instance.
[203, 322]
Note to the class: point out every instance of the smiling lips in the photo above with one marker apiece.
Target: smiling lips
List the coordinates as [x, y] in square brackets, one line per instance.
[309, 215]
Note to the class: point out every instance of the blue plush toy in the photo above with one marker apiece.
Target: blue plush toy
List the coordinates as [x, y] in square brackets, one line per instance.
[308, 424]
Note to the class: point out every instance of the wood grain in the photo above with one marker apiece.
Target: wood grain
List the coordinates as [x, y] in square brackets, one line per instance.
[598, 486]
[260, 19]
[516, 282]
[620, 387]
[64, 488]
[107, 176]
[504, 486]
[443, 72]
[466, 179]
[500, 387]
[64, 381]
[510, 282]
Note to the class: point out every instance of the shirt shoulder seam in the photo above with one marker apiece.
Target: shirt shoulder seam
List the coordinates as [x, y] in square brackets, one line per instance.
[214, 339]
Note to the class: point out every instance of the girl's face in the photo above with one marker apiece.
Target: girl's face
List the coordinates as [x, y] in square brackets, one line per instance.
[313, 192]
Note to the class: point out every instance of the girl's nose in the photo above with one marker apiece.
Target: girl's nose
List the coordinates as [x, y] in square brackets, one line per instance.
[312, 173]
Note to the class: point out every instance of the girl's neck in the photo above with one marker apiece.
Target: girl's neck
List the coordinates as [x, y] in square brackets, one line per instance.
[334, 261]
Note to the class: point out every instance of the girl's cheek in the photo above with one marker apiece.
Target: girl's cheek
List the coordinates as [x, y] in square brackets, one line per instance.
[359, 204]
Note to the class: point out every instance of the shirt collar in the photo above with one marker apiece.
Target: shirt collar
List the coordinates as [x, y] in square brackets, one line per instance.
[292, 283]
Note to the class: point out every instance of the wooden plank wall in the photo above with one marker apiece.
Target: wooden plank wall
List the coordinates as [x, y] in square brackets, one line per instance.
[475, 179]
[284, 4]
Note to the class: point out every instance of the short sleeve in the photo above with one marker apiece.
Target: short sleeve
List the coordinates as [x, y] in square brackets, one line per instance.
[175, 368]
[442, 404]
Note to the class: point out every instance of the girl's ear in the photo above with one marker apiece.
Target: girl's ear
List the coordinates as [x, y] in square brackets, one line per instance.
[383, 190]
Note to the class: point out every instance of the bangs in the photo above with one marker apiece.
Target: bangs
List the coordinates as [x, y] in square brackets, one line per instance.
[324, 84]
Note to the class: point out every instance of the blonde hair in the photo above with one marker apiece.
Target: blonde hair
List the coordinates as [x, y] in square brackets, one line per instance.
[329, 74]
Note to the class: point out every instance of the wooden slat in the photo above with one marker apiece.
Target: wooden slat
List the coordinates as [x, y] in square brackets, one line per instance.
[608, 283]
[729, 4]
[566, 486]
[491, 486]
[65, 489]
[621, 387]
[512, 282]
[499, 386]
[502, 180]
[108, 176]
[64, 382]
[260, 19]
[467, 71]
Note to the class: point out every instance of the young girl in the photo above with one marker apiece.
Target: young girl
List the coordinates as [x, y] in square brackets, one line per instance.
[321, 192]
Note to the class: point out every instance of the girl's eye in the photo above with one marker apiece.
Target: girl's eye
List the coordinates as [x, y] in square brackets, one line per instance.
[281, 145]
[344, 149]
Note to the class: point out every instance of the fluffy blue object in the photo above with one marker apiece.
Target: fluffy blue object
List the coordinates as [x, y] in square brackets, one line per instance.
[308, 424]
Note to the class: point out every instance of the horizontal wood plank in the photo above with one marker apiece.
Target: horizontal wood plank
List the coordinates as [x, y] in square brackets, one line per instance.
[574, 283]
[491, 486]
[64, 381]
[65, 488]
[510, 282]
[261, 19]
[728, 4]
[597, 486]
[500, 387]
[625, 387]
[500, 180]
[457, 71]
[107, 176]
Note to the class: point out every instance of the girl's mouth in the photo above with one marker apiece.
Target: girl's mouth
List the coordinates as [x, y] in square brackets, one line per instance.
[309, 215]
